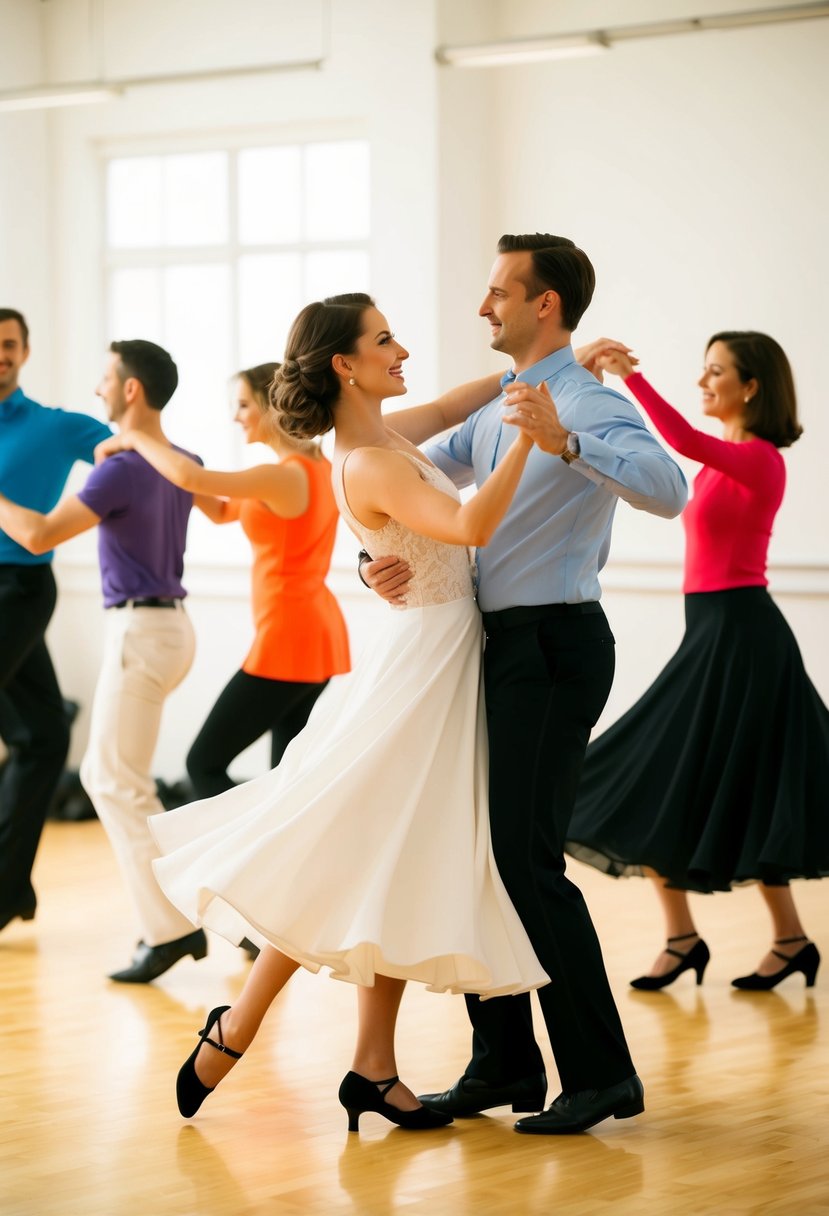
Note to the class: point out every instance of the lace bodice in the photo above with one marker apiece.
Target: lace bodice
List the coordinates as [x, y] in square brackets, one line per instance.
[442, 572]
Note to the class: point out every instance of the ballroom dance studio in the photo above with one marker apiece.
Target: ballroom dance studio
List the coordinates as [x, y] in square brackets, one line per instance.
[194, 174]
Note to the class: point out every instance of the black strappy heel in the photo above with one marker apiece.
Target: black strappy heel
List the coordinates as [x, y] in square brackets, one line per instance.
[190, 1092]
[695, 959]
[358, 1094]
[807, 960]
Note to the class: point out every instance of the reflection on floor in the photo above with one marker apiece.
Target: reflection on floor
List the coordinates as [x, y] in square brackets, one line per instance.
[737, 1085]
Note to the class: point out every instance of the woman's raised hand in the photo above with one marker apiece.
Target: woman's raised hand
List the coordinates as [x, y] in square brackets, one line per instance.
[108, 447]
[616, 361]
[588, 355]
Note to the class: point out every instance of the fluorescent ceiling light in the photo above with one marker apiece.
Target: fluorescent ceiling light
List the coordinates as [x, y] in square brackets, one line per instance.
[61, 95]
[50, 96]
[529, 50]
[592, 42]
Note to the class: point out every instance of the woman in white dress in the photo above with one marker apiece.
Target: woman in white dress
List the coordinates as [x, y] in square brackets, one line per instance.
[367, 850]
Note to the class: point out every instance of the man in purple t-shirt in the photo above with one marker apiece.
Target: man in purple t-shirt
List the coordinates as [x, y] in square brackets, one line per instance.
[149, 641]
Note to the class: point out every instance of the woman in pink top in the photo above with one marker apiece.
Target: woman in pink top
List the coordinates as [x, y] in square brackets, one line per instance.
[719, 773]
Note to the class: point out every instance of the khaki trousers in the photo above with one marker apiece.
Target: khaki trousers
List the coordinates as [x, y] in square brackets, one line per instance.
[147, 653]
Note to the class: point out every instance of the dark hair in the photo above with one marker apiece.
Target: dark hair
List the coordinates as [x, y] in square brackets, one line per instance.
[772, 412]
[260, 379]
[11, 314]
[558, 265]
[306, 387]
[149, 364]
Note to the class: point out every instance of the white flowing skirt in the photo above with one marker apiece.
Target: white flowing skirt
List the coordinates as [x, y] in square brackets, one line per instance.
[368, 849]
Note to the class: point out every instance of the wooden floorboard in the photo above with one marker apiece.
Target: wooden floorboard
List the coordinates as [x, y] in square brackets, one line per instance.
[737, 1084]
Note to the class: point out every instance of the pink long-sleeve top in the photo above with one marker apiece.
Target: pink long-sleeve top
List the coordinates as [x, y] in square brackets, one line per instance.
[736, 496]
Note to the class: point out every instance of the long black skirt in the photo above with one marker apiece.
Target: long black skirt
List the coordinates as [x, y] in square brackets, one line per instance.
[719, 774]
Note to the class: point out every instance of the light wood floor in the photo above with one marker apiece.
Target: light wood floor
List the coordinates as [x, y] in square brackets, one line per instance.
[737, 1084]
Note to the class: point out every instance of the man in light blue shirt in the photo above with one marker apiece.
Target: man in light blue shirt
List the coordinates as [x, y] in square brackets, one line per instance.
[548, 668]
[38, 447]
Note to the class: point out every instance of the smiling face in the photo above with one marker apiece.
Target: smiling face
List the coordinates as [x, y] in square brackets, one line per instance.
[513, 319]
[377, 360]
[724, 394]
[249, 413]
[13, 354]
[111, 388]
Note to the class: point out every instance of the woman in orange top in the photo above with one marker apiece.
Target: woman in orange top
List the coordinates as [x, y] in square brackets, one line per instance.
[288, 513]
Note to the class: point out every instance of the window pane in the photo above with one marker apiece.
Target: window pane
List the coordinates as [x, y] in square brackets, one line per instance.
[270, 196]
[197, 308]
[270, 296]
[331, 274]
[135, 308]
[337, 191]
[195, 199]
[134, 202]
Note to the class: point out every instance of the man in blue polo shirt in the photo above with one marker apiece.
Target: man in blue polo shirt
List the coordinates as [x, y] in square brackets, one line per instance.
[38, 447]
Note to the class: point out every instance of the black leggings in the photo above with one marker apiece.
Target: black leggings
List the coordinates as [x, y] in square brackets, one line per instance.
[247, 708]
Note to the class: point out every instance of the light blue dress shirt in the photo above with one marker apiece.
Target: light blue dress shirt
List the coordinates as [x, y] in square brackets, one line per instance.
[38, 446]
[555, 537]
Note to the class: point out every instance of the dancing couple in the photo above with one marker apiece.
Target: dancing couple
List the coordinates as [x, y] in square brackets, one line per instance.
[382, 799]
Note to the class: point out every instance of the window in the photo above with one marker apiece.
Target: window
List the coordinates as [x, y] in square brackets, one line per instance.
[213, 253]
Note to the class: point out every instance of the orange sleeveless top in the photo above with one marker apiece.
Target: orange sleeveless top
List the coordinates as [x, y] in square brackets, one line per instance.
[300, 631]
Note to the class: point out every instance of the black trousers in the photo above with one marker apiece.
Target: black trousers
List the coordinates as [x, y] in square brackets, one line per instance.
[33, 725]
[247, 708]
[546, 683]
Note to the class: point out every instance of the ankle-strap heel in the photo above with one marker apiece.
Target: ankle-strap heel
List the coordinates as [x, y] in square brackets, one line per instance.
[190, 1092]
[696, 959]
[807, 960]
[358, 1094]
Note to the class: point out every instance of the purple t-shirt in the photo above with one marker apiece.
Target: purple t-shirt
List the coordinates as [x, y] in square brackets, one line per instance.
[143, 529]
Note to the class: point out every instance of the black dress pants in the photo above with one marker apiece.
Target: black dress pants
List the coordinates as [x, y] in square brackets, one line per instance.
[33, 725]
[247, 707]
[547, 679]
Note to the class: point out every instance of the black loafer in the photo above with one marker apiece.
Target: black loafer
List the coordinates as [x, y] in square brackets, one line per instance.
[572, 1113]
[26, 912]
[149, 962]
[469, 1096]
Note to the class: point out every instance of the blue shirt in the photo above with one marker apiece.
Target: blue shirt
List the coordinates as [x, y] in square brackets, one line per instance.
[555, 537]
[38, 447]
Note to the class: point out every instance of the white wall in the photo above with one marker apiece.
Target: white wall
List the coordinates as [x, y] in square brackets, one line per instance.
[692, 169]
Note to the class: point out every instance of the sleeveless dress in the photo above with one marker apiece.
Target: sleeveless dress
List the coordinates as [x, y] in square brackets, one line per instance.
[368, 849]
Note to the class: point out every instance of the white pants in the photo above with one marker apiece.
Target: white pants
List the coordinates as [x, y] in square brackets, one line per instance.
[147, 652]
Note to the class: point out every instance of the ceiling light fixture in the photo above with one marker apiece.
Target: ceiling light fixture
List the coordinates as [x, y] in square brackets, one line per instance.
[591, 42]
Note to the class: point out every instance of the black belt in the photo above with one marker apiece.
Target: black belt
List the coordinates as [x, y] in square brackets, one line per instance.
[511, 618]
[149, 601]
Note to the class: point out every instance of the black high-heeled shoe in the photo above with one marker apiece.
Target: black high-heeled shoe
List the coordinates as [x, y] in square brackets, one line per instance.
[695, 959]
[357, 1095]
[807, 960]
[190, 1092]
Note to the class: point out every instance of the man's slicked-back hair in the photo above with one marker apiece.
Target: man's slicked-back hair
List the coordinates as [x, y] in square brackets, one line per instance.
[557, 265]
[151, 365]
[11, 314]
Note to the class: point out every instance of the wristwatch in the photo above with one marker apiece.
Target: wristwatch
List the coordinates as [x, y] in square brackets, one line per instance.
[573, 449]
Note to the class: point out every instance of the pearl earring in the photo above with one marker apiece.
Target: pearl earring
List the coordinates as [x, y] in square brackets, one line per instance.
[351, 380]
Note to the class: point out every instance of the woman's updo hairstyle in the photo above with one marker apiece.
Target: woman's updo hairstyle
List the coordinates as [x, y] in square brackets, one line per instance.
[772, 412]
[306, 387]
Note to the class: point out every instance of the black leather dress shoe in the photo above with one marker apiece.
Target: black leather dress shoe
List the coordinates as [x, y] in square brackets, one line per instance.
[9, 914]
[149, 962]
[572, 1113]
[469, 1096]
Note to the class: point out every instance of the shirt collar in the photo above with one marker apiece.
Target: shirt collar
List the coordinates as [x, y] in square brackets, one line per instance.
[544, 369]
[14, 402]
